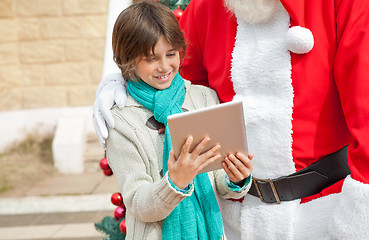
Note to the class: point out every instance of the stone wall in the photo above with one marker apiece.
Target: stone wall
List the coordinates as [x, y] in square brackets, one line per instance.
[51, 52]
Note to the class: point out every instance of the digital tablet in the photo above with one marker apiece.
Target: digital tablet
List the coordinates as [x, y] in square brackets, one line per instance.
[223, 123]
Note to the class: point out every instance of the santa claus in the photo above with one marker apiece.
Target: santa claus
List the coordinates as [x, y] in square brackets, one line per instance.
[301, 69]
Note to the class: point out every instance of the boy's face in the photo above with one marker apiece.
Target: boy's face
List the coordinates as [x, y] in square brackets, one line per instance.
[159, 70]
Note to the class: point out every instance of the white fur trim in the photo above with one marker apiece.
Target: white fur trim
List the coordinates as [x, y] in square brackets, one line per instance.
[299, 40]
[261, 75]
[350, 218]
[268, 221]
[343, 215]
[312, 218]
[231, 212]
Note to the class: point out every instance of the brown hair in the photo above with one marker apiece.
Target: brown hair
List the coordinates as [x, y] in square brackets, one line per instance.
[137, 30]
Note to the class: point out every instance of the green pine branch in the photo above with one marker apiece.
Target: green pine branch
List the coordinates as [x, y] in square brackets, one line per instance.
[172, 4]
[110, 227]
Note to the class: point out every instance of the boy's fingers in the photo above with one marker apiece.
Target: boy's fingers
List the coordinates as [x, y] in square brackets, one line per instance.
[210, 160]
[236, 162]
[171, 159]
[211, 152]
[239, 170]
[228, 171]
[226, 168]
[245, 160]
[198, 149]
[186, 146]
[171, 154]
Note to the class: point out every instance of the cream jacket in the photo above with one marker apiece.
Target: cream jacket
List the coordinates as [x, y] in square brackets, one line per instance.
[135, 154]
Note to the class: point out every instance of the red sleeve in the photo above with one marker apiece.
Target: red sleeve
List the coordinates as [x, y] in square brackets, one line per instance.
[210, 31]
[351, 71]
[192, 68]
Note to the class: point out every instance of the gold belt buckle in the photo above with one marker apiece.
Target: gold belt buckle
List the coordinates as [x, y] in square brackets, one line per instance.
[271, 183]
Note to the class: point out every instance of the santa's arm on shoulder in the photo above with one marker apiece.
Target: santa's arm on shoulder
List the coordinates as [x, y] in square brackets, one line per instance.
[350, 219]
[110, 91]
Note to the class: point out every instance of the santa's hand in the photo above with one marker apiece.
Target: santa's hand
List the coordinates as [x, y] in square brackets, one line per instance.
[110, 90]
[238, 167]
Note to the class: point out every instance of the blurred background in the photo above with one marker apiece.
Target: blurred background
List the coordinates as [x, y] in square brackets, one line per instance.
[54, 182]
[51, 61]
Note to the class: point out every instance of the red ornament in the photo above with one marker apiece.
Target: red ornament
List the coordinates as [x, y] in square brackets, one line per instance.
[178, 13]
[108, 172]
[119, 213]
[122, 205]
[104, 165]
[123, 227]
[116, 199]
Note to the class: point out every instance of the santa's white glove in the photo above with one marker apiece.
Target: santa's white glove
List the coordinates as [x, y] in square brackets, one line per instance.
[111, 90]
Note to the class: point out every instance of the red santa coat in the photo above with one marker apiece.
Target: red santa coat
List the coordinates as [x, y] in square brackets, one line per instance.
[299, 107]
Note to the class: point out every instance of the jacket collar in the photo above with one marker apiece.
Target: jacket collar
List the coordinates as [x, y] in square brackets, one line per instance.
[131, 102]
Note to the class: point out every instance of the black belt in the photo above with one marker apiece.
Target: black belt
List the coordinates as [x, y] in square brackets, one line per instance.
[306, 182]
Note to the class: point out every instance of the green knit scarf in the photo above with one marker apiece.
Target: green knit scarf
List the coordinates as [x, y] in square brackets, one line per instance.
[197, 216]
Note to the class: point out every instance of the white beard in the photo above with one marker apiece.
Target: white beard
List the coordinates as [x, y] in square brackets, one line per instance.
[252, 11]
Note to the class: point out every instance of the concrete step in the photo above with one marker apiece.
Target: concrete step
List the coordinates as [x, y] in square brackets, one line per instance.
[78, 226]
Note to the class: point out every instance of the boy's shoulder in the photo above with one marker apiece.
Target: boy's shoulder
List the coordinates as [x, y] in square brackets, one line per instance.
[193, 88]
[199, 93]
[133, 111]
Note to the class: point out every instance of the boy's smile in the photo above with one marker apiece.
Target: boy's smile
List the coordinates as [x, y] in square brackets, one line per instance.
[161, 67]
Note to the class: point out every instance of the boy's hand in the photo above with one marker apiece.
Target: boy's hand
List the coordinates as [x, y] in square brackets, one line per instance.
[183, 170]
[238, 167]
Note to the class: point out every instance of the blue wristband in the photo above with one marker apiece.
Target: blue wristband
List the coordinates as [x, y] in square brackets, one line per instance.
[235, 187]
[186, 190]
